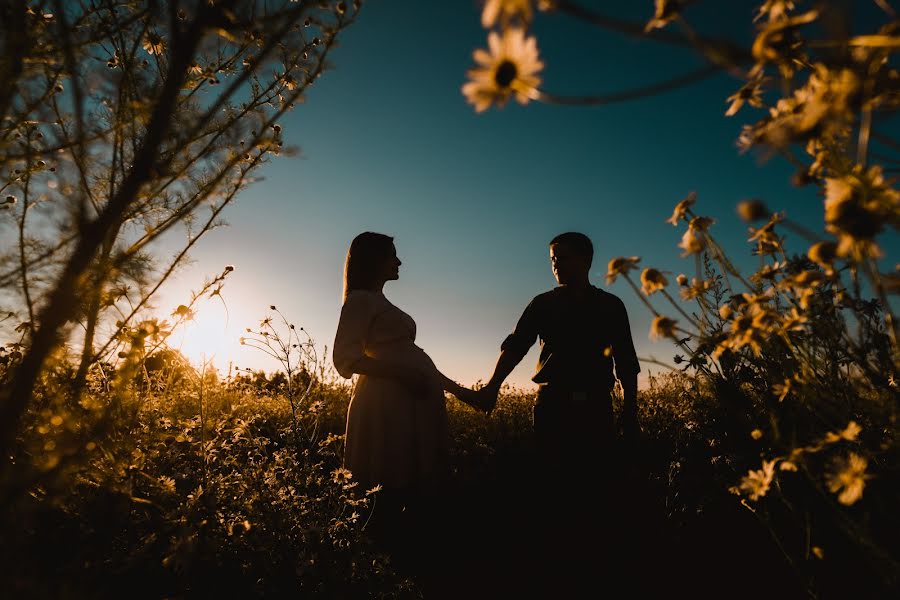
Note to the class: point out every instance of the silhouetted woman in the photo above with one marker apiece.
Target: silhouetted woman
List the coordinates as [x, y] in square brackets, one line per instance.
[397, 434]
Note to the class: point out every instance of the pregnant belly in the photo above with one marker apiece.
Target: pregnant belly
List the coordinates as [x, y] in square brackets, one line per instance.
[406, 353]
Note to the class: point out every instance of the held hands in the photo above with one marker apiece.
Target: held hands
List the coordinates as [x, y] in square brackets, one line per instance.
[483, 399]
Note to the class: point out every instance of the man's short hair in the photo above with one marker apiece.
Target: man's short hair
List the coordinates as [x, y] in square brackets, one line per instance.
[578, 242]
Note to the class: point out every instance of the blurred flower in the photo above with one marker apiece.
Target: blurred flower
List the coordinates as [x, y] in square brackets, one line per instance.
[183, 311]
[775, 9]
[694, 239]
[781, 390]
[507, 10]
[154, 44]
[652, 281]
[823, 253]
[662, 327]
[682, 208]
[823, 107]
[697, 288]
[288, 81]
[857, 206]
[750, 93]
[752, 210]
[509, 69]
[848, 478]
[756, 483]
[850, 433]
[776, 43]
[794, 320]
[681, 279]
[620, 265]
[148, 327]
[767, 241]
[665, 12]
[756, 434]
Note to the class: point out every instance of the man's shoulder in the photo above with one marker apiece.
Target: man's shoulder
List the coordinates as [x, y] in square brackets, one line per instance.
[608, 298]
[540, 301]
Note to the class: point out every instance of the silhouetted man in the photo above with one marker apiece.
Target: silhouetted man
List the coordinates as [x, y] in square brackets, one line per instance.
[585, 345]
[581, 527]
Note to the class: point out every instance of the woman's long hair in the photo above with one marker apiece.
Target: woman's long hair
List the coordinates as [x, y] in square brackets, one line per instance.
[365, 258]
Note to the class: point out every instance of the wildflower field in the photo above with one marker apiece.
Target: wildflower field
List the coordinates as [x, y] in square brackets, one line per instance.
[203, 487]
[767, 461]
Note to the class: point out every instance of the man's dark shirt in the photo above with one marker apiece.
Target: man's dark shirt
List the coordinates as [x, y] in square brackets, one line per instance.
[580, 338]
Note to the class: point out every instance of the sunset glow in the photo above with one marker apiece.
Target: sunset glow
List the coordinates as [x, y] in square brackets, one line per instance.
[210, 336]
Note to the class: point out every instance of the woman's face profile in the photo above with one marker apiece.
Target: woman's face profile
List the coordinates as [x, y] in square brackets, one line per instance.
[391, 265]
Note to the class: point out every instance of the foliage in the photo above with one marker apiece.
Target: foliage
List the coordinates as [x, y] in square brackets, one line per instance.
[194, 489]
[297, 357]
[124, 122]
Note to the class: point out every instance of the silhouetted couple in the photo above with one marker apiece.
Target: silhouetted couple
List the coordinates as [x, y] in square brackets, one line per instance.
[397, 433]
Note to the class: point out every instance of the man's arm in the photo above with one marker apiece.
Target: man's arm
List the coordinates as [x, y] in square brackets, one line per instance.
[512, 351]
[506, 362]
[627, 368]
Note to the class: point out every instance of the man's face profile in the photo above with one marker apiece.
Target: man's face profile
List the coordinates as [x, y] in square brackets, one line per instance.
[568, 265]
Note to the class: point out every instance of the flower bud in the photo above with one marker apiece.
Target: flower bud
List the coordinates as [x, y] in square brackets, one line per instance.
[752, 210]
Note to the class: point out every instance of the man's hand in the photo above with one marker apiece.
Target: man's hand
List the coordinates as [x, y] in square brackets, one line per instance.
[487, 397]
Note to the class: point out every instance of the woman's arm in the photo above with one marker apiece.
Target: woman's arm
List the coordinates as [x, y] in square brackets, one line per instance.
[463, 394]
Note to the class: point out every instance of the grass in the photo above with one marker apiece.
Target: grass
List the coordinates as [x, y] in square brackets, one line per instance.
[173, 501]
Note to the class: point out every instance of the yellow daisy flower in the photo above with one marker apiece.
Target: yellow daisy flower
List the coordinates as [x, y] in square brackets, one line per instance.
[694, 241]
[756, 483]
[682, 208]
[508, 69]
[662, 327]
[620, 266]
[848, 478]
[154, 44]
[652, 281]
[341, 475]
[857, 206]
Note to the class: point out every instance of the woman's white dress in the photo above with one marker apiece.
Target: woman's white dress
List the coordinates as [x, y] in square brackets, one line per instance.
[394, 437]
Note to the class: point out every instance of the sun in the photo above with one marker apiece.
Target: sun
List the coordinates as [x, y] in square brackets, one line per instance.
[211, 337]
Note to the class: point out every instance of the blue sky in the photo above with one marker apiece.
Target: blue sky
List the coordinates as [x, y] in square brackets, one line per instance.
[389, 144]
